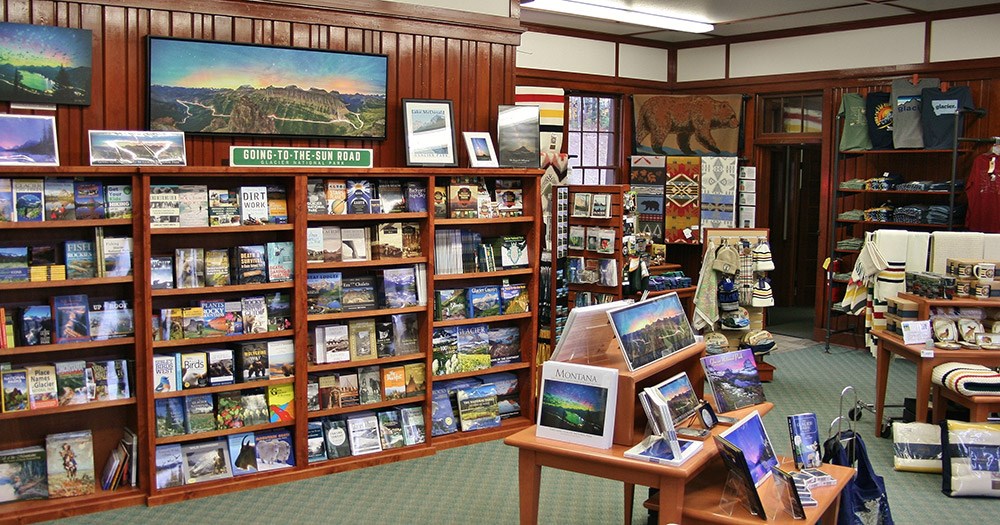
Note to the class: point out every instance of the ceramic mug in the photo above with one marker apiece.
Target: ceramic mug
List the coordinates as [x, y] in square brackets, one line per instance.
[963, 288]
[984, 271]
[983, 290]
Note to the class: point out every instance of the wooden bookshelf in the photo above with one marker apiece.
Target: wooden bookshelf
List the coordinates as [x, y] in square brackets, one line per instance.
[67, 347]
[222, 339]
[249, 385]
[481, 320]
[484, 275]
[374, 217]
[223, 290]
[369, 406]
[359, 314]
[223, 230]
[94, 405]
[66, 283]
[374, 263]
[206, 436]
[342, 365]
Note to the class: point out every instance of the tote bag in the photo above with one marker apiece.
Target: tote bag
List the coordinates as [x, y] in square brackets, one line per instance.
[863, 501]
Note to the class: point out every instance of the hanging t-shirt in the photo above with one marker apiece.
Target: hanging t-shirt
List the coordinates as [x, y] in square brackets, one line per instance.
[983, 192]
[878, 113]
[855, 134]
[907, 130]
[937, 112]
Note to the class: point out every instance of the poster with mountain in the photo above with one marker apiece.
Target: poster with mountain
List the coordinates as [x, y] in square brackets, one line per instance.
[517, 136]
[28, 139]
[44, 64]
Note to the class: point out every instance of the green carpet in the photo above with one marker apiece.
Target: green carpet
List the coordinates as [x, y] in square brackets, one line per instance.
[478, 484]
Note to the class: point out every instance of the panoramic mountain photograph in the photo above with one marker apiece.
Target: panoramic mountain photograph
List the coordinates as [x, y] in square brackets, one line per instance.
[236, 89]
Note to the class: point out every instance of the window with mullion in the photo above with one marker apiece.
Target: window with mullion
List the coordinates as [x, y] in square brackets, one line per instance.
[592, 138]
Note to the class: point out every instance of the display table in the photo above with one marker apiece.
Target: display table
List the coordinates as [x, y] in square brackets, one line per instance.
[890, 343]
[535, 452]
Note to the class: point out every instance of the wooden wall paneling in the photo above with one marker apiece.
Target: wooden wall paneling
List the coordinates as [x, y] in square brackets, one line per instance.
[385, 150]
[438, 71]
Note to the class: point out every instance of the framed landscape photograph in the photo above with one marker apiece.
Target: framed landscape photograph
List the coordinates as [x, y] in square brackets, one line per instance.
[28, 140]
[749, 435]
[480, 148]
[204, 87]
[45, 64]
[517, 136]
[137, 148]
[651, 330]
[430, 133]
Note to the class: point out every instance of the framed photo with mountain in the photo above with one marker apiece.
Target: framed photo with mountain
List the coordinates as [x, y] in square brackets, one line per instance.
[45, 64]
[204, 87]
[28, 140]
[430, 133]
[518, 136]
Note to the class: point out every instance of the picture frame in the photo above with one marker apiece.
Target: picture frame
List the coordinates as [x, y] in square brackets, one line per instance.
[33, 138]
[518, 140]
[33, 79]
[191, 81]
[637, 325]
[581, 205]
[137, 148]
[740, 479]
[479, 145]
[429, 130]
[600, 206]
[750, 436]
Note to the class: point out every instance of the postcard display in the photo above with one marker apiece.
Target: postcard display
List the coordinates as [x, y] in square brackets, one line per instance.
[229, 295]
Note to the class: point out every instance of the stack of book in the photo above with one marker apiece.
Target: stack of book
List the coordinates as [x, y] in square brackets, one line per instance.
[471, 198]
[480, 301]
[64, 467]
[75, 259]
[358, 196]
[463, 251]
[361, 339]
[199, 267]
[62, 383]
[197, 205]
[331, 292]
[473, 403]
[245, 362]
[53, 199]
[234, 455]
[256, 314]
[366, 385]
[66, 319]
[365, 433]
[196, 413]
[468, 348]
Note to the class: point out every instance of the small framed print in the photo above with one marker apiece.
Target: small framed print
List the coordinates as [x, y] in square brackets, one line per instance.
[518, 136]
[29, 140]
[581, 204]
[480, 148]
[429, 133]
[600, 206]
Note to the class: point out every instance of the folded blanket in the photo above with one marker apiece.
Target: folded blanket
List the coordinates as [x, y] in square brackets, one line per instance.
[892, 244]
[967, 379]
[917, 247]
[954, 245]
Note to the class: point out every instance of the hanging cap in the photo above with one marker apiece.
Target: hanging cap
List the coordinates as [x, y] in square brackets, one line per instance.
[762, 258]
[727, 260]
[762, 294]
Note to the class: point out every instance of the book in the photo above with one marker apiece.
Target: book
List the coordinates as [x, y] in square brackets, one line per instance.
[279, 311]
[111, 319]
[445, 350]
[416, 379]
[412, 420]
[362, 431]
[384, 344]
[389, 241]
[70, 464]
[358, 293]
[254, 310]
[243, 453]
[399, 287]
[171, 324]
[229, 410]
[348, 394]
[14, 385]
[14, 264]
[462, 200]
[369, 385]
[739, 471]
[391, 196]
[505, 345]
[250, 264]
[118, 201]
[199, 413]
[29, 200]
[281, 402]
[362, 339]
[514, 252]
[234, 317]
[314, 244]
[359, 196]
[254, 208]
[440, 202]
[168, 466]
[657, 449]
[416, 196]
[24, 471]
[6, 201]
[42, 386]
[336, 196]
[193, 369]
[60, 201]
[193, 322]
[220, 367]
[213, 317]
[329, 387]
[316, 197]
[277, 204]
[324, 292]
[280, 261]
[477, 407]
[510, 201]
[335, 343]
[442, 414]
[281, 358]
[577, 403]
[70, 322]
[354, 244]
[71, 382]
[117, 256]
[335, 438]
[36, 325]
[223, 207]
[484, 301]
[473, 348]
[803, 431]
[390, 429]
[312, 394]
[332, 248]
[192, 201]
[788, 494]
[164, 206]
[190, 267]
[165, 374]
[161, 273]
[255, 410]
[405, 334]
[205, 461]
[734, 380]
[217, 267]
[314, 442]
[514, 298]
[411, 239]
[251, 361]
[394, 382]
[450, 304]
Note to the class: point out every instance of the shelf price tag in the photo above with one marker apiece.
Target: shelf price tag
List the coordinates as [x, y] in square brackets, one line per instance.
[265, 157]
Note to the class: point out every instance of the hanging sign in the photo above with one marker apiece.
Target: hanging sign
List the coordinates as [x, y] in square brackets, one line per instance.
[266, 157]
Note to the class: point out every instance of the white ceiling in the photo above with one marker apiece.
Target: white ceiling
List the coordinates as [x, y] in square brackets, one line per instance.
[743, 17]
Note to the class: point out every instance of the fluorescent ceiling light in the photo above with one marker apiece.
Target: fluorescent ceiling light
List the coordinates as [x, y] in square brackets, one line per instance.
[618, 14]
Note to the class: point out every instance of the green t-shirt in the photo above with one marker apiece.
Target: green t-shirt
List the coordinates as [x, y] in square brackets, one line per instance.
[855, 135]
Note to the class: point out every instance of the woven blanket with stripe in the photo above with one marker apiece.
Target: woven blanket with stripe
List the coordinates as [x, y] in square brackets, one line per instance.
[967, 379]
[682, 201]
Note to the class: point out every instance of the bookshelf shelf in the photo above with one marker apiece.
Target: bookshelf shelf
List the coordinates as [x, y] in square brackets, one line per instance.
[205, 436]
[480, 320]
[180, 343]
[366, 313]
[475, 222]
[371, 406]
[398, 261]
[95, 405]
[30, 511]
[202, 230]
[233, 288]
[379, 217]
[57, 225]
[499, 274]
[493, 369]
[67, 347]
[460, 439]
[226, 388]
[342, 365]
[67, 283]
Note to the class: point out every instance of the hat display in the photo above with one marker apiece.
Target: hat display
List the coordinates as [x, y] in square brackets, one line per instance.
[762, 258]
[759, 341]
[729, 296]
[762, 294]
[727, 260]
[736, 320]
[716, 343]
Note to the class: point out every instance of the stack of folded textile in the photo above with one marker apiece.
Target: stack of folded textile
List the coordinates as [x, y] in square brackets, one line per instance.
[852, 215]
[946, 186]
[881, 213]
[911, 213]
[851, 243]
[938, 214]
[853, 184]
[914, 185]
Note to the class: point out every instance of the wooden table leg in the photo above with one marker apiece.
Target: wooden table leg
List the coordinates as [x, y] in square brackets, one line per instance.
[923, 392]
[671, 501]
[529, 476]
[629, 500]
[832, 512]
[882, 359]
[938, 404]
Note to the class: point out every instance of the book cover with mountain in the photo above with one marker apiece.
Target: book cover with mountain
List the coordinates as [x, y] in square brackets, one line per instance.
[168, 466]
[29, 200]
[275, 449]
[25, 472]
[477, 407]
[60, 201]
[734, 380]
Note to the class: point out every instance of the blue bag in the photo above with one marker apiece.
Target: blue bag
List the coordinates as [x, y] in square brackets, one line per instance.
[863, 501]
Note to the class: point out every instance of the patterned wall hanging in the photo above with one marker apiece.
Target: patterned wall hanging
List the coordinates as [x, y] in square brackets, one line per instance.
[551, 104]
[686, 124]
[718, 192]
[681, 202]
[649, 206]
